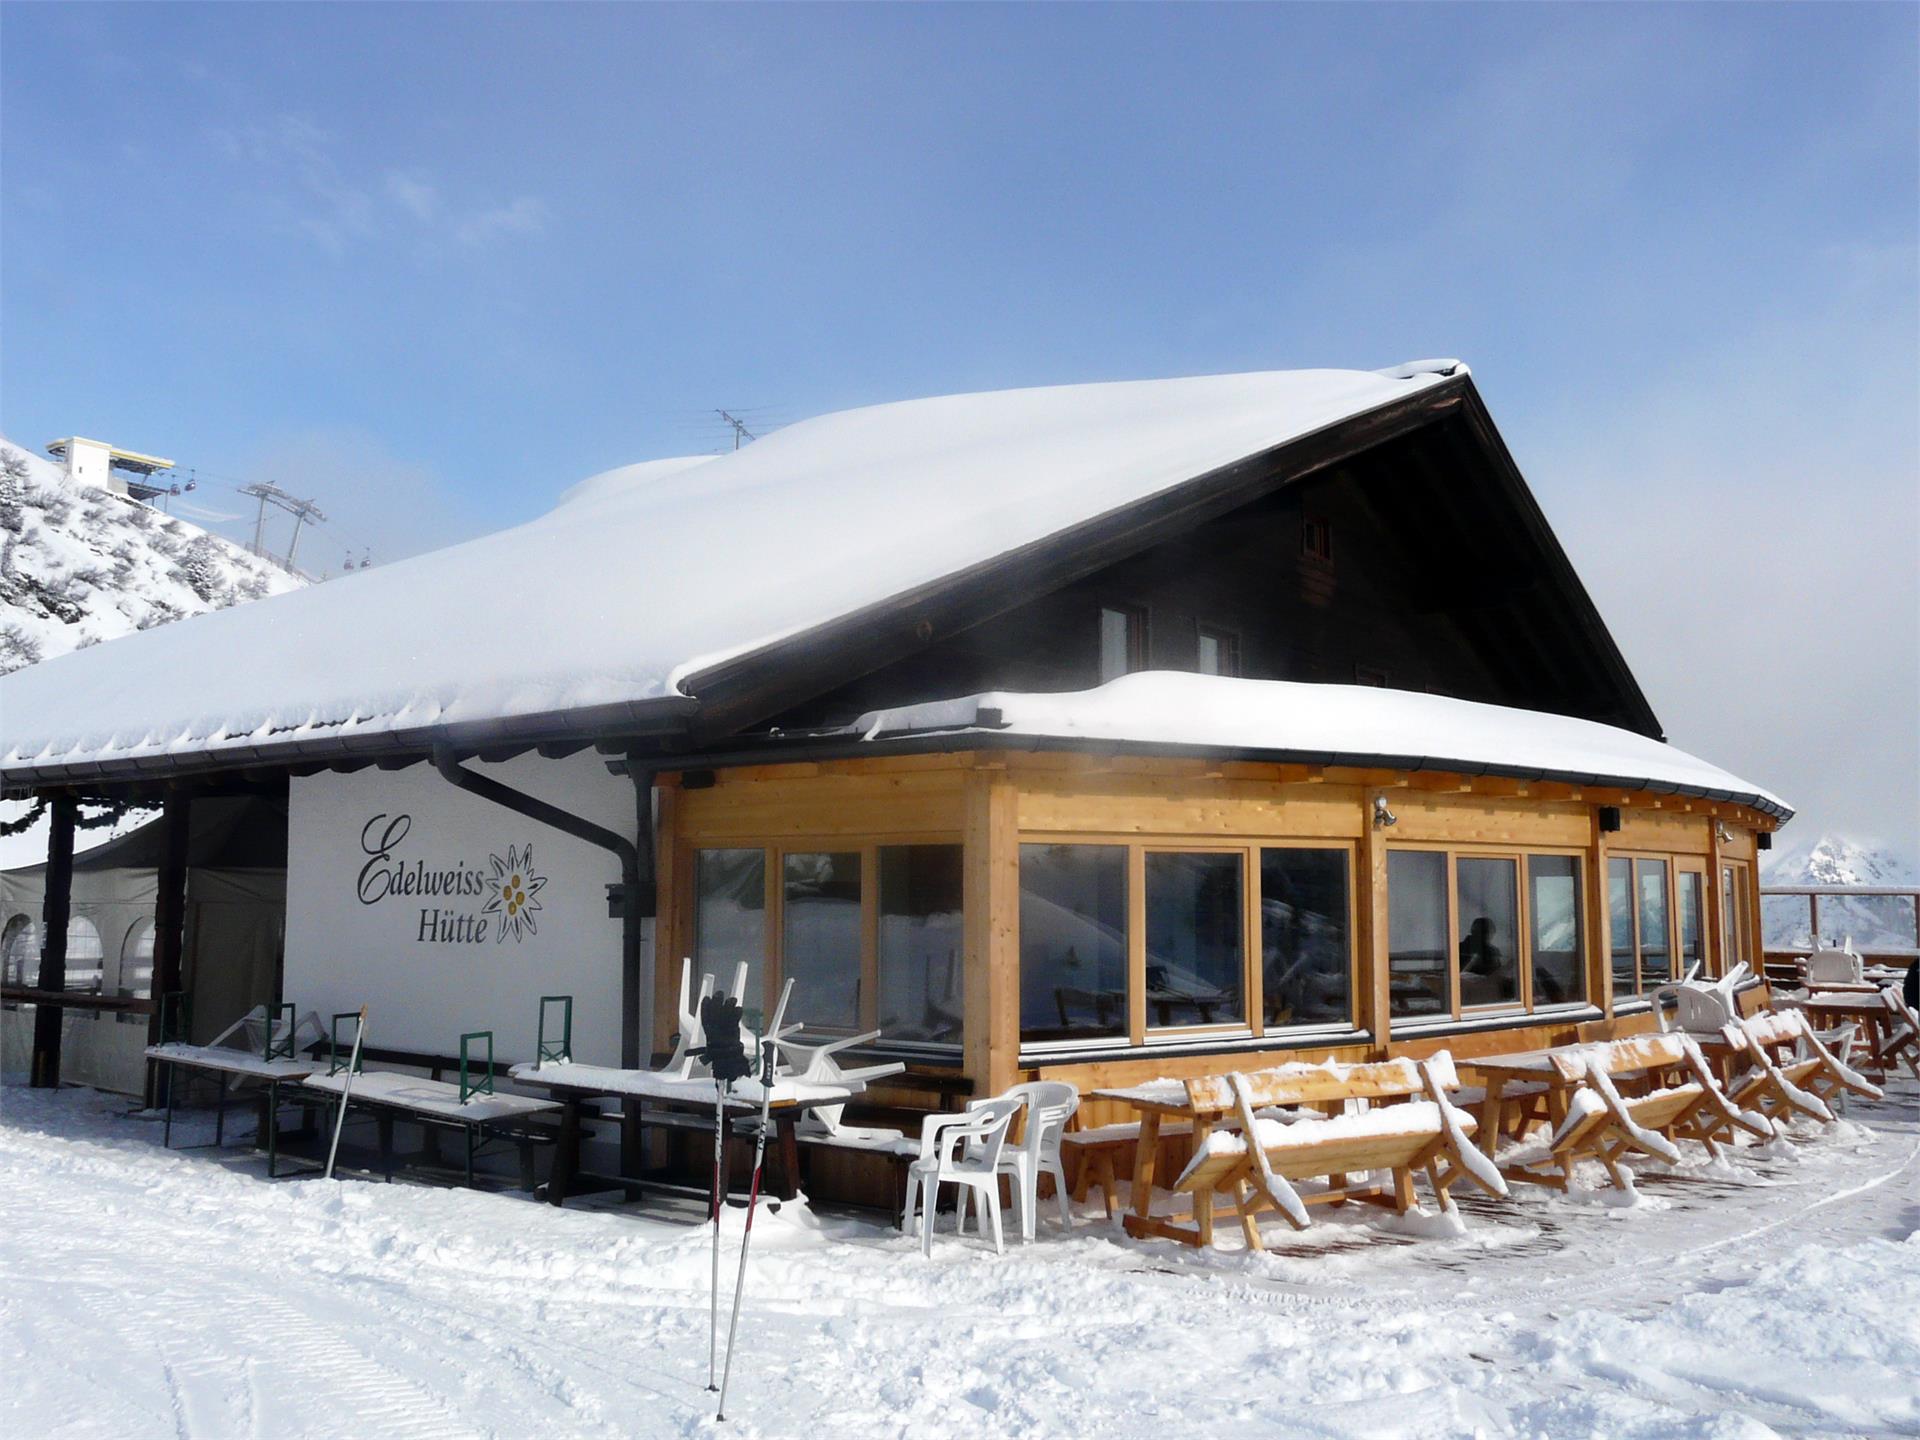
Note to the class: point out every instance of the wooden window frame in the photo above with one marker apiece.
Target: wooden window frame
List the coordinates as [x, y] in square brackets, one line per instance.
[1635, 859]
[1142, 1036]
[1525, 1005]
[868, 846]
[1316, 538]
[1693, 865]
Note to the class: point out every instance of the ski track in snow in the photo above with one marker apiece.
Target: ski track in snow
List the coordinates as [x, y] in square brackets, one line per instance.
[154, 1293]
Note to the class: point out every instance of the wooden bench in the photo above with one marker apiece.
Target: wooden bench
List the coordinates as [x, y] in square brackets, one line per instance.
[1095, 1157]
[1413, 1125]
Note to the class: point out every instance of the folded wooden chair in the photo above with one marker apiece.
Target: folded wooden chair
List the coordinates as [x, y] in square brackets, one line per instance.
[1425, 1131]
[1684, 1102]
[1793, 1072]
[1902, 1040]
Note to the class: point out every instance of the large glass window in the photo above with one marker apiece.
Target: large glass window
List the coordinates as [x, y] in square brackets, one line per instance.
[1656, 944]
[1487, 892]
[921, 943]
[86, 957]
[1420, 973]
[1692, 906]
[1073, 942]
[820, 938]
[1620, 937]
[1305, 945]
[1195, 916]
[1559, 946]
[730, 917]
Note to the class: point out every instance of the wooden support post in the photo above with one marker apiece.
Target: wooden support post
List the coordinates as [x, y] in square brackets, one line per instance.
[54, 915]
[1600, 961]
[1375, 981]
[169, 927]
[1813, 918]
[992, 903]
[1715, 919]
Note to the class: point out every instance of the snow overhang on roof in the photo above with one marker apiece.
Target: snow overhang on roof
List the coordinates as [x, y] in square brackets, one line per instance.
[611, 607]
[1357, 725]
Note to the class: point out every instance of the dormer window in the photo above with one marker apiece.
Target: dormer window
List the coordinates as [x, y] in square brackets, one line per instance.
[1316, 538]
[1219, 651]
[1123, 641]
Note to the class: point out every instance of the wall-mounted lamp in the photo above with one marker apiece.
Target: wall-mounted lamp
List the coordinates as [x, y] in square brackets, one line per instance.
[1382, 816]
[1720, 829]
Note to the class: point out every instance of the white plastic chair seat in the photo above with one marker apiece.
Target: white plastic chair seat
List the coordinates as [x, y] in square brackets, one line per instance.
[962, 1150]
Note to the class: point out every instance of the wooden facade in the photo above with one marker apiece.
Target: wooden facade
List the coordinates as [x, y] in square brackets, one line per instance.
[993, 802]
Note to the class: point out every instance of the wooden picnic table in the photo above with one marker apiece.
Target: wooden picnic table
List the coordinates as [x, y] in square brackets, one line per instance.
[1157, 1102]
[573, 1086]
[226, 1065]
[1870, 1012]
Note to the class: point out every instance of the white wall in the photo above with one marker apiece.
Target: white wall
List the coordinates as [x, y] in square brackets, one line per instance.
[91, 463]
[364, 850]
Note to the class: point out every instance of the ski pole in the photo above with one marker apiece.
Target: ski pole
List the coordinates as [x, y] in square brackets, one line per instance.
[726, 1061]
[753, 1190]
[719, 1204]
[346, 1088]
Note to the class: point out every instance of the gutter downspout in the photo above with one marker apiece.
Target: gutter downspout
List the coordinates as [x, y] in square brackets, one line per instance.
[636, 892]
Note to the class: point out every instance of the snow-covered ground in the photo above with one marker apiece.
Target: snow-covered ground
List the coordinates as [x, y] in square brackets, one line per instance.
[144, 1292]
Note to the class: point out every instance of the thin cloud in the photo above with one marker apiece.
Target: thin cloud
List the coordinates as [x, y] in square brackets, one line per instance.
[522, 216]
[337, 208]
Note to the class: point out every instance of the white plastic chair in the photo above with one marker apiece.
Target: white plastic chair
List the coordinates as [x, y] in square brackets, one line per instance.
[961, 1150]
[1834, 967]
[1700, 1008]
[816, 1064]
[693, 1035]
[1049, 1104]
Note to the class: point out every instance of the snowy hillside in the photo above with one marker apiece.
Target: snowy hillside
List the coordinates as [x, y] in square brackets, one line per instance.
[1875, 923]
[78, 566]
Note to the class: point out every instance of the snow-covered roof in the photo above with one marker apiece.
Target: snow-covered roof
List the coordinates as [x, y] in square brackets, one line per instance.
[1325, 724]
[651, 574]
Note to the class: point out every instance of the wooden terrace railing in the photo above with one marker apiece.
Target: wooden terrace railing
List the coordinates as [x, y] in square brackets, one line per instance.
[1897, 955]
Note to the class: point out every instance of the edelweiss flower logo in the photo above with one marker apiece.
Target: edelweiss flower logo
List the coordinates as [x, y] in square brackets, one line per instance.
[513, 893]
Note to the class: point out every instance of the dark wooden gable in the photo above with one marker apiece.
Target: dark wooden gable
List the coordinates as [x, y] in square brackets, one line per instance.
[1397, 568]
[1402, 549]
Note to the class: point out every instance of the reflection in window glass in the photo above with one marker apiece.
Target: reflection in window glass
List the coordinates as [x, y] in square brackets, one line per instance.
[1693, 942]
[1073, 941]
[1420, 972]
[730, 918]
[1620, 925]
[1194, 920]
[921, 943]
[1487, 892]
[1559, 946]
[1305, 952]
[1656, 956]
[820, 939]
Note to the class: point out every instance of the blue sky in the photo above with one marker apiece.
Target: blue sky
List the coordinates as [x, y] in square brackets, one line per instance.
[432, 264]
